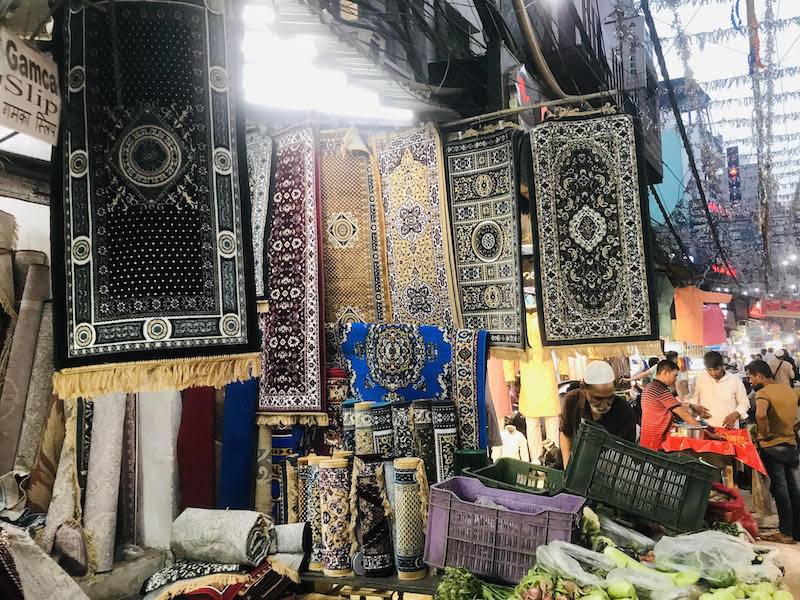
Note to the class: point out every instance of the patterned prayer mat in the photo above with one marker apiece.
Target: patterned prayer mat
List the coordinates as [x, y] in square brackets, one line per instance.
[411, 516]
[382, 432]
[373, 511]
[468, 391]
[364, 440]
[292, 356]
[151, 244]
[349, 424]
[593, 277]
[338, 535]
[313, 512]
[337, 385]
[401, 424]
[418, 246]
[482, 175]
[355, 280]
[422, 434]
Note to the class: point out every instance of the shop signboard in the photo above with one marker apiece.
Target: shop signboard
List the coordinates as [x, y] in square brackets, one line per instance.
[30, 101]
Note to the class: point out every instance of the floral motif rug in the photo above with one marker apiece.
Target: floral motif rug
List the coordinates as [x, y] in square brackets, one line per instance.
[593, 276]
[482, 175]
[418, 245]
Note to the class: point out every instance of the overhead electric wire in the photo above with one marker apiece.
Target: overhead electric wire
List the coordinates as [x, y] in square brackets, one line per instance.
[682, 131]
[668, 222]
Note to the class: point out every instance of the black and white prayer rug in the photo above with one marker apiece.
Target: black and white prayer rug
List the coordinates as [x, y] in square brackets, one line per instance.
[593, 278]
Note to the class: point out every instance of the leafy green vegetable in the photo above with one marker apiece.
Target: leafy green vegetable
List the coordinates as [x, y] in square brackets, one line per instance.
[621, 589]
[458, 584]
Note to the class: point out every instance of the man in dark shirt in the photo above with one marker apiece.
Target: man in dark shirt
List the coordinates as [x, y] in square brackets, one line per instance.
[595, 400]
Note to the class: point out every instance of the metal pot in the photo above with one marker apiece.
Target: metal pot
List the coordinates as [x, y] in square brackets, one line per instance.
[694, 432]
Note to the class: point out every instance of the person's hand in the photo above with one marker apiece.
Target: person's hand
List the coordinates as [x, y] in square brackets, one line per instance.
[731, 420]
[624, 379]
[701, 411]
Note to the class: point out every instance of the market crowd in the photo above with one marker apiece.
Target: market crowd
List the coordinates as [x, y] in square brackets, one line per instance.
[729, 393]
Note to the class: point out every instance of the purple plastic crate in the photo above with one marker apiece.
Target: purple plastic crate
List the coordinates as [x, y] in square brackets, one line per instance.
[494, 543]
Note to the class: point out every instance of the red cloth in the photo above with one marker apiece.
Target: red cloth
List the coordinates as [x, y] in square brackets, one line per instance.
[737, 443]
[657, 405]
[713, 325]
[196, 448]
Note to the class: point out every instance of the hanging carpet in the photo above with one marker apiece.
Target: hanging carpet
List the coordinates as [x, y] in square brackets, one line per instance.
[292, 385]
[355, 276]
[469, 386]
[259, 167]
[593, 276]
[372, 510]
[238, 446]
[482, 174]
[195, 448]
[152, 249]
[418, 245]
[445, 438]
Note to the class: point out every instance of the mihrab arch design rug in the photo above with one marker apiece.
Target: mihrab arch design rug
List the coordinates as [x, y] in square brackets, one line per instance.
[152, 248]
[593, 278]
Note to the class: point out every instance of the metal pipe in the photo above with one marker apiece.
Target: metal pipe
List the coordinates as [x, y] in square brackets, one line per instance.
[535, 49]
[515, 111]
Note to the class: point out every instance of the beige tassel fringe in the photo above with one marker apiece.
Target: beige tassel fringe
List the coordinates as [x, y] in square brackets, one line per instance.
[155, 375]
[358, 464]
[284, 570]
[380, 478]
[287, 420]
[423, 491]
[189, 585]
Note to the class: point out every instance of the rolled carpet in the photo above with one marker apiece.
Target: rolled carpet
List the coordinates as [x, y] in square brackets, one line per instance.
[183, 569]
[238, 445]
[8, 310]
[422, 431]
[158, 420]
[43, 472]
[196, 448]
[294, 538]
[313, 510]
[338, 535]
[401, 424]
[40, 389]
[364, 443]
[40, 576]
[222, 536]
[349, 424]
[23, 260]
[445, 438]
[382, 433]
[10, 583]
[373, 510]
[411, 516]
[126, 508]
[302, 490]
[263, 479]
[20, 363]
[102, 483]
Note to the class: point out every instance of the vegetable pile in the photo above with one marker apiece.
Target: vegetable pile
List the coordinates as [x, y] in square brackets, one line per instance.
[460, 584]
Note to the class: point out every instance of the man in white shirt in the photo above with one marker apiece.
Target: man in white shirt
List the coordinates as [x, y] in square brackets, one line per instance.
[782, 369]
[722, 393]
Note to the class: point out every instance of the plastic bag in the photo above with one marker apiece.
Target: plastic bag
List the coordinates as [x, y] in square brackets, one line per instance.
[594, 561]
[624, 537]
[716, 556]
[553, 559]
[654, 585]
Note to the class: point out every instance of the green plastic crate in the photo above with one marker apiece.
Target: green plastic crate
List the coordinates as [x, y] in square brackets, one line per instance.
[519, 476]
[670, 489]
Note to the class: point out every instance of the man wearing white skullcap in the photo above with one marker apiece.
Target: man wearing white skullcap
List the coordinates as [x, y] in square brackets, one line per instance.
[595, 400]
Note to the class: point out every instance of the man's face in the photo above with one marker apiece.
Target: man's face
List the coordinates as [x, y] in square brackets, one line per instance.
[601, 397]
[716, 372]
[668, 378]
[756, 379]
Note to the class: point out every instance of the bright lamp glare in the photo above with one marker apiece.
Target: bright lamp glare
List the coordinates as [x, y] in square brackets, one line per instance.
[258, 16]
[280, 73]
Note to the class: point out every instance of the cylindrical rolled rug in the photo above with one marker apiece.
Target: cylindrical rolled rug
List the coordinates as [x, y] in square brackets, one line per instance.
[372, 508]
[294, 538]
[43, 473]
[338, 536]
[263, 482]
[411, 517]
[422, 430]
[40, 390]
[337, 388]
[349, 425]
[364, 437]
[20, 363]
[313, 512]
[401, 424]
[302, 489]
[445, 438]
[284, 489]
[222, 536]
[102, 482]
[23, 260]
[382, 433]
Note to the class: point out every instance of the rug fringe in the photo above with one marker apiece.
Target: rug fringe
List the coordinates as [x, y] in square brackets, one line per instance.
[287, 420]
[603, 351]
[284, 570]
[216, 580]
[155, 375]
[380, 479]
